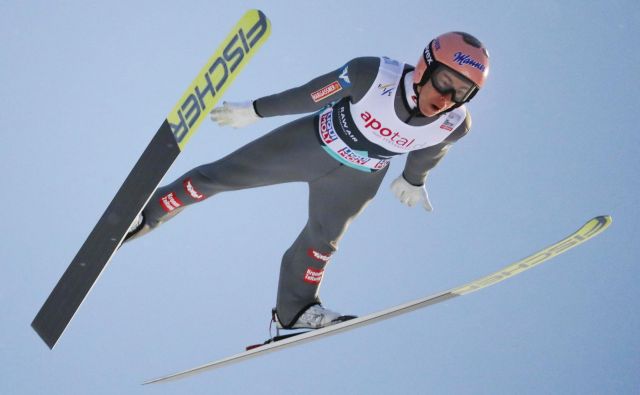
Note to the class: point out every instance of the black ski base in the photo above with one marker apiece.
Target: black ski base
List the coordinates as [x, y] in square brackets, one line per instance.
[106, 236]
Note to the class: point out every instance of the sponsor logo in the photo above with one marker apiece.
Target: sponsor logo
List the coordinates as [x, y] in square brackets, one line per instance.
[344, 76]
[427, 55]
[381, 164]
[436, 44]
[464, 59]
[525, 264]
[345, 126]
[216, 75]
[451, 121]
[386, 89]
[385, 133]
[313, 275]
[170, 202]
[447, 125]
[348, 154]
[327, 132]
[318, 256]
[326, 91]
[191, 190]
[454, 117]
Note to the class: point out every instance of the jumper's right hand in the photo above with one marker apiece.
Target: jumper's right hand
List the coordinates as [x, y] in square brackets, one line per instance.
[236, 115]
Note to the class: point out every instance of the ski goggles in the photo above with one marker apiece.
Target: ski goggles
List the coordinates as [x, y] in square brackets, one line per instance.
[446, 80]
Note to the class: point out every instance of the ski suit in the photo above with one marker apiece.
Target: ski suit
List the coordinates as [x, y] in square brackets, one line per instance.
[365, 114]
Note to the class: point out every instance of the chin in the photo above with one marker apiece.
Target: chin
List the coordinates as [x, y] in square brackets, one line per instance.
[431, 113]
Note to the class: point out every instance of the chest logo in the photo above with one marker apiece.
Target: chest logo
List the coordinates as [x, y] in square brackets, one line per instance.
[384, 133]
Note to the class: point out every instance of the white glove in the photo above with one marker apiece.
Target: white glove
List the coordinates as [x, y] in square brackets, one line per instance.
[236, 115]
[411, 194]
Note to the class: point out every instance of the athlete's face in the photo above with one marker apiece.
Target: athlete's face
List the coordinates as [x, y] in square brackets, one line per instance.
[431, 102]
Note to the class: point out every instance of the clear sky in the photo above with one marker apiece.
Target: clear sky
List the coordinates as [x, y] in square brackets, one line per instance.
[554, 142]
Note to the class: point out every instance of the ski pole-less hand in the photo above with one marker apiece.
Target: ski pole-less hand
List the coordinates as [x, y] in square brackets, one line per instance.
[409, 194]
[236, 115]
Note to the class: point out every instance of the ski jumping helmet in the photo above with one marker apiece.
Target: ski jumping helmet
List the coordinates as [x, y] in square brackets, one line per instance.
[458, 51]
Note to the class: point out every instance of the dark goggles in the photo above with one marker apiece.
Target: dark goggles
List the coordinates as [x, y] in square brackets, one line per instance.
[446, 80]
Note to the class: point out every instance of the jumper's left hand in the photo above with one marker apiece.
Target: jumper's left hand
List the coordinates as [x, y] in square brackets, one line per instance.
[409, 194]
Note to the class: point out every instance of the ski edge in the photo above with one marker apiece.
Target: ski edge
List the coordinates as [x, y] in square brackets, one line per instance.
[591, 229]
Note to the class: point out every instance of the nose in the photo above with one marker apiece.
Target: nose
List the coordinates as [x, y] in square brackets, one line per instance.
[446, 98]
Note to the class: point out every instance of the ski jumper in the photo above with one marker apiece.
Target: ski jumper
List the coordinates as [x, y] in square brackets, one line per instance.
[365, 115]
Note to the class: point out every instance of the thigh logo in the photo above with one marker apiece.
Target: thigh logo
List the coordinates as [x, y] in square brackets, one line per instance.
[170, 202]
[313, 275]
[324, 258]
[191, 190]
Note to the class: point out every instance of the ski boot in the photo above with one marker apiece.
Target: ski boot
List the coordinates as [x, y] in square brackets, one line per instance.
[314, 317]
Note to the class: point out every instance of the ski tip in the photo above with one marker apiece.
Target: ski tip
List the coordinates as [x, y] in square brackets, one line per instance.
[606, 218]
[261, 16]
[593, 227]
[601, 221]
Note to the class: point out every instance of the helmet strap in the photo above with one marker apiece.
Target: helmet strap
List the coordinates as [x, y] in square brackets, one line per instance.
[432, 65]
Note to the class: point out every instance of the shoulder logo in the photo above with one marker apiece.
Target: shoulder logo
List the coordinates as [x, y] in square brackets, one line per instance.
[344, 76]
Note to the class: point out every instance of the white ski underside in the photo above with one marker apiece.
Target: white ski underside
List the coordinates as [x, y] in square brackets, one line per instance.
[586, 232]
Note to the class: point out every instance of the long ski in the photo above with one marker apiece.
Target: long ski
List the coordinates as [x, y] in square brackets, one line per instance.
[586, 232]
[202, 95]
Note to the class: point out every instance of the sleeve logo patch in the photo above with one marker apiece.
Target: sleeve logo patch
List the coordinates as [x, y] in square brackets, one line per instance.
[326, 91]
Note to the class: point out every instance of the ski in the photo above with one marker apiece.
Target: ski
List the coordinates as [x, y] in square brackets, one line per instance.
[221, 69]
[592, 228]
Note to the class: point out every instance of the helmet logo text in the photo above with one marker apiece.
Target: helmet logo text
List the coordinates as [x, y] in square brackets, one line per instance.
[427, 55]
[463, 59]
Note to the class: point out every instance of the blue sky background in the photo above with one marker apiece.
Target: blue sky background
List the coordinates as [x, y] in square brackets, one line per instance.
[554, 142]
